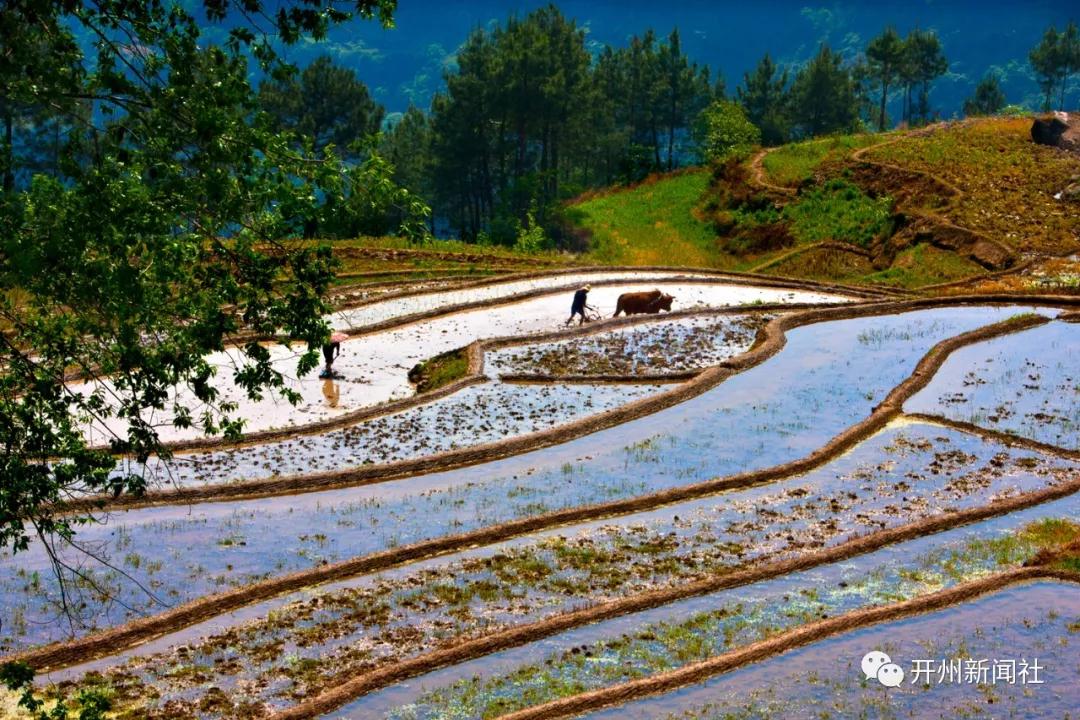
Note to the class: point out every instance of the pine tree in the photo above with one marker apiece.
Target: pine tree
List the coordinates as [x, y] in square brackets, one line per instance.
[327, 103]
[764, 97]
[1046, 61]
[823, 97]
[988, 97]
[927, 58]
[1069, 60]
[684, 91]
[406, 145]
[885, 54]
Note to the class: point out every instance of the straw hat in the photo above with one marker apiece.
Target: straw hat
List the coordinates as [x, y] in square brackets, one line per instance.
[587, 288]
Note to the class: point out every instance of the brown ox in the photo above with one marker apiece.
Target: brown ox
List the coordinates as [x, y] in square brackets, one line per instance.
[643, 302]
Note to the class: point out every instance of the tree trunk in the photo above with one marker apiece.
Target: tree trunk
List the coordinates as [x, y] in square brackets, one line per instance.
[9, 151]
[523, 140]
[671, 128]
[545, 148]
[555, 168]
[884, 95]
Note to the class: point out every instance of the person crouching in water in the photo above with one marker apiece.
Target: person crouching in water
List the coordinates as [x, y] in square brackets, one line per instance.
[579, 306]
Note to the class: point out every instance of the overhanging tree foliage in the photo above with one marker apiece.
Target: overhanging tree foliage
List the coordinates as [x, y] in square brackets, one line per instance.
[165, 228]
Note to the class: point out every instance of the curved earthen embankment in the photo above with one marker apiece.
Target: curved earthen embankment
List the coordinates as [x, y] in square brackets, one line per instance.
[998, 436]
[522, 634]
[774, 340]
[403, 278]
[600, 379]
[474, 375]
[679, 273]
[108, 642]
[345, 419]
[823, 245]
[974, 279]
[378, 253]
[685, 276]
[804, 635]
[1021, 267]
[717, 276]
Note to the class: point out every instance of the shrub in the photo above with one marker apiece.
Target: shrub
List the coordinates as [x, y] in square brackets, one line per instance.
[530, 236]
[726, 132]
[839, 210]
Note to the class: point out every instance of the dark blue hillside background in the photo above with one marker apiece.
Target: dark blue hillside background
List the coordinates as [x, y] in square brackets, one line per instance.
[405, 65]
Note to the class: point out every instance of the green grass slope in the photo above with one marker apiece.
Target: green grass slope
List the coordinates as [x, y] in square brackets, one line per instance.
[653, 223]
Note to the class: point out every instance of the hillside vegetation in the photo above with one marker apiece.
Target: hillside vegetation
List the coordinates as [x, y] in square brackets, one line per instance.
[942, 204]
[653, 223]
[795, 163]
[1006, 182]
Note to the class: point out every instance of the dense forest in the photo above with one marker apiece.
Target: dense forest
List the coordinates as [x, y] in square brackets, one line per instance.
[532, 113]
[530, 117]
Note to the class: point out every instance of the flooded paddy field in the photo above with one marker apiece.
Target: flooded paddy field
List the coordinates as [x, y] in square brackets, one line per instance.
[273, 652]
[475, 415]
[660, 347]
[1000, 637]
[1029, 388]
[413, 609]
[602, 296]
[828, 377]
[675, 635]
[374, 367]
[771, 414]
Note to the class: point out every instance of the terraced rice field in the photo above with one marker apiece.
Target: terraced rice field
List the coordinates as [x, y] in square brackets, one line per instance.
[393, 334]
[710, 514]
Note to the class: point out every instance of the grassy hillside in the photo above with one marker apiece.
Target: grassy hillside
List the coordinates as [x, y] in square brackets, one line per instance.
[385, 259]
[901, 209]
[1006, 182]
[653, 223]
[906, 209]
[796, 163]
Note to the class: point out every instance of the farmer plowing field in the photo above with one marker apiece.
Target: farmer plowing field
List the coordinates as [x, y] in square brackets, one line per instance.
[580, 307]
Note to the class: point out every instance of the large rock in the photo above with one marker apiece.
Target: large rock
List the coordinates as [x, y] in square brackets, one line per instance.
[991, 255]
[1058, 130]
